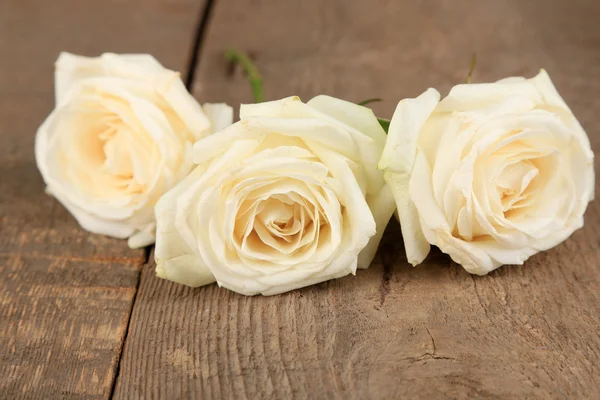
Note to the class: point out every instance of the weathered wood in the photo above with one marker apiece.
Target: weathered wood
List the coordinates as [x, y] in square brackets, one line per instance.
[392, 331]
[65, 295]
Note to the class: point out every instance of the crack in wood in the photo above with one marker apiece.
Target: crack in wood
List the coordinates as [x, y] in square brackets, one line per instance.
[384, 288]
[126, 334]
[389, 254]
[432, 340]
[478, 296]
[433, 354]
[197, 43]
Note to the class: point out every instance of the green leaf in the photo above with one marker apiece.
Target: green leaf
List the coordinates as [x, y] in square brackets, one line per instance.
[369, 101]
[385, 124]
[244, 61]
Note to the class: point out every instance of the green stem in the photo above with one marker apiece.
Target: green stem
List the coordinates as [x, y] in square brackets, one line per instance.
[472, 69]
[244, 61]
[369, 101]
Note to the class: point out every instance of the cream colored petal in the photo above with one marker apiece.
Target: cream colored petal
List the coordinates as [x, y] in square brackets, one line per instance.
[219, 114]
[505, 255]
[184, 104]
[332, 273]
[334, 260]
[309, 130]
[440, 131]
[549, 94]
[292, 118]
[397, 161]
[157, 126]
[186, 269]
[363, 123]
[472, 258]
[175, 259]
[143, 238]
[421, 194]
[584, 161]
[362, 223]
[203, 202]
[512, 79]
[214, 146]
[415, 244]
[405, 127]
[91, 223]
[44, 153]
[558, 236]
[72, 69]
[454, 143]
[467, 97]
[358, 117]
[382, 206]
[289, 107]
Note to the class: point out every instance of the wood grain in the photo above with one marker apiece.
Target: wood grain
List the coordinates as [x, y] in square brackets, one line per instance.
[65, 295]
[392, 331]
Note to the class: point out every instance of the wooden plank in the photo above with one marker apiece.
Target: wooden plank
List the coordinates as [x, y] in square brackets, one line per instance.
[392, 331]
[65, 295]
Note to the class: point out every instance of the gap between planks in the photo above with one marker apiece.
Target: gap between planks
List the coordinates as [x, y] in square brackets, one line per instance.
[203, 20]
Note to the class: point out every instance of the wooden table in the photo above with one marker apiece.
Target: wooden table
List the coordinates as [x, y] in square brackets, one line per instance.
[82, 316]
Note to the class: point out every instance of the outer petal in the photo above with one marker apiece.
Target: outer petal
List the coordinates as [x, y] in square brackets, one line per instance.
[421, 193]
[473, 259]
[358, 117]
[382, 206]
[72, 69]
[415, 244]
[175, 260]
[184, 270]
[362, 146]
[551, 97]
[397, 161]
[468, 97]
[184, 104]
[213, 146]
[143, 238]
[408, 120]
[91, 223]
[435, 227]
[289, 107]
[219, 114]
[364, 123]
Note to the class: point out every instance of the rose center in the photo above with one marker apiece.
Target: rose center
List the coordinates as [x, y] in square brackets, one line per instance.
[117, 161]
[280, 225]
[513, 183]
[280, 217]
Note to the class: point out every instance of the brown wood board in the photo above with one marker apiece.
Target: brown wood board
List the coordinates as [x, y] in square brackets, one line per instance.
[65, 295]
[392, 331]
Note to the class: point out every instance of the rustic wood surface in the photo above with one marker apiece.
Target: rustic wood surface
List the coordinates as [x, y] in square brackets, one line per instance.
[65, 295]
[392, 331]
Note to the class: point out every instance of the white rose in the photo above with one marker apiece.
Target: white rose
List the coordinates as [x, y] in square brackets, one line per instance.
[121, 135]
[288, 197]
[492, 174]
